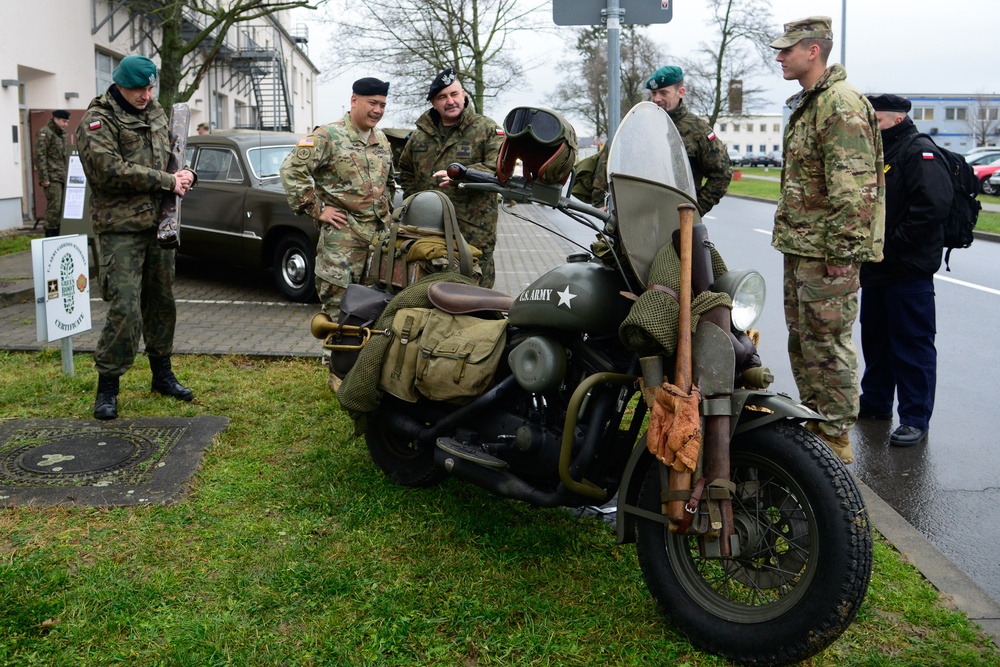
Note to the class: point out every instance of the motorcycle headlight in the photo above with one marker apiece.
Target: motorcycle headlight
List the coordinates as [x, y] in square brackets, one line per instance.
[747, 290]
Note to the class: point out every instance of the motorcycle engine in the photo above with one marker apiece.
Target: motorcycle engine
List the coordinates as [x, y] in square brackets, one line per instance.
[538, 364]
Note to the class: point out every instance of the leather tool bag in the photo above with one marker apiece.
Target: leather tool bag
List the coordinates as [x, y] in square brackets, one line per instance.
[360, 307]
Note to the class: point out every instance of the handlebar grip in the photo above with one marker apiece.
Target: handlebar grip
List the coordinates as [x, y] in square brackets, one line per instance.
[459, 172]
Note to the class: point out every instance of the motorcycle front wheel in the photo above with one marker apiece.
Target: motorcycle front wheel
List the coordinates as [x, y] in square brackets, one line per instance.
[805, 554]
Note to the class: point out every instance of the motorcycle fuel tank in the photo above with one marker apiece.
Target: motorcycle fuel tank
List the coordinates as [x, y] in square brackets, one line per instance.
[580, 296]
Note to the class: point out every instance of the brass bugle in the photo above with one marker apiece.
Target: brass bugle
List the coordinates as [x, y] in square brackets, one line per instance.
[324, 328]
[322, 325]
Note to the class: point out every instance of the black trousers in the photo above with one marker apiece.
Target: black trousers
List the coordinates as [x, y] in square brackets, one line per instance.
[898, 324]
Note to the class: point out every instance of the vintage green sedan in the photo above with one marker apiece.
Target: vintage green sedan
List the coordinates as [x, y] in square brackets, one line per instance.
[237, 214]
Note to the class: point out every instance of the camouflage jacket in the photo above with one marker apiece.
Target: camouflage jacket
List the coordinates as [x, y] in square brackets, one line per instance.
[590, 180]
[50, 154]
[708, 156]
[124, 156]
[832, 203]
[474, 142]
[334, 166]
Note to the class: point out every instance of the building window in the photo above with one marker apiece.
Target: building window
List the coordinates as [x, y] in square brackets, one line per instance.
[954, 113]
[736, 128]
[723, 126]
[988, 113]
[750, 127]
[763, 148]
[763, 127]
[776, 148]
[923, 113]
[776, 127]
[106, 64]
[736, 147]
[219, 111]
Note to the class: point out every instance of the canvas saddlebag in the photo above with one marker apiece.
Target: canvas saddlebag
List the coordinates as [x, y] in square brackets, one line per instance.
[440, 356]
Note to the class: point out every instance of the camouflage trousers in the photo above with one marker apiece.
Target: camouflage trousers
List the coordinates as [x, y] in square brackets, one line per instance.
[137, 281]
[486, 241]
[820, 311]
[53, 205]
[340, 261]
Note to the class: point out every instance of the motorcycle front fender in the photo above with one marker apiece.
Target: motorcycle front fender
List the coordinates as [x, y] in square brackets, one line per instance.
[753, 407]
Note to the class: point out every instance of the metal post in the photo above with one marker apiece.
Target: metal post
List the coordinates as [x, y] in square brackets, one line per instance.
[843, 32]
[613, 16]
[67, 355]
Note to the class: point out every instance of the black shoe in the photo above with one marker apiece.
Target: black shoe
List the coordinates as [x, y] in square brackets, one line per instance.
[865, 413]
[106, 405]
[907, 436]
[164, 381]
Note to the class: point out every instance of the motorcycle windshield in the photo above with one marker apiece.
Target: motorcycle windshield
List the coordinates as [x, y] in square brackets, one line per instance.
[650, 177]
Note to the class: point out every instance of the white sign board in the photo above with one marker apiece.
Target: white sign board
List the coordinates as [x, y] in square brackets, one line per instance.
[76, 190]
[61, 272]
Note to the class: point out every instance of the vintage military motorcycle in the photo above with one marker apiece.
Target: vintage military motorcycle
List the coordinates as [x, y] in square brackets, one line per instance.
[751, 534]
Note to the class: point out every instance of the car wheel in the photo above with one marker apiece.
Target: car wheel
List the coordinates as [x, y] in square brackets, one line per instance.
[295, 268]
[988, 187]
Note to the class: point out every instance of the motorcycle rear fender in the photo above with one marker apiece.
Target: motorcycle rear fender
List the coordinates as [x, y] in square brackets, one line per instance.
[755, 408]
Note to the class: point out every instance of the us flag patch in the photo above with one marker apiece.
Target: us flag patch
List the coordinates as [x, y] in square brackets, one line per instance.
[711, 136]
[96, 125]
[927, 156]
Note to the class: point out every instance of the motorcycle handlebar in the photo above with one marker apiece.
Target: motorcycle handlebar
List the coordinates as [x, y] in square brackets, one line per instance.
[459, 172]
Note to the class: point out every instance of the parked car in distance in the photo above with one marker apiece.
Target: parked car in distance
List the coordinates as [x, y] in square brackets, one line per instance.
[237, 214]
[776, 159]
[977, 152]
[762, 160]
[984, 172]
[993, 182]
[735, 158]
[983, 158]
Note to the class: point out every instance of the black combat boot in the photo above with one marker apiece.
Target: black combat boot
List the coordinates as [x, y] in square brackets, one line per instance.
[49, 233]
[106, 406]
[164, 381]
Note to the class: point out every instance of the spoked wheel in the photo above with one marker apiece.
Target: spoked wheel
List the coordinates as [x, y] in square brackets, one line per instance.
[405, 462]
[804, 562]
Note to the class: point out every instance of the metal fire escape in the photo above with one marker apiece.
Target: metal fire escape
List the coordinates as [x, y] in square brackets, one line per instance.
[255, 63]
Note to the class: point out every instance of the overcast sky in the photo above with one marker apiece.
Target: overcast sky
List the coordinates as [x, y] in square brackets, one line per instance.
[899, 46]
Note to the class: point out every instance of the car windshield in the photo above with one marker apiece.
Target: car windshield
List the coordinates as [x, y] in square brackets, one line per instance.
[266, 160]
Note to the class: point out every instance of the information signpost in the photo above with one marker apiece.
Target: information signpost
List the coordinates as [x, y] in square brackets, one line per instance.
[61, 273]
[613, 13]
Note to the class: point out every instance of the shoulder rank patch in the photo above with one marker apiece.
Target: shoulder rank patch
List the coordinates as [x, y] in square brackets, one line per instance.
[95, 125]
[305, 141]
[927, 156]
[711, 136]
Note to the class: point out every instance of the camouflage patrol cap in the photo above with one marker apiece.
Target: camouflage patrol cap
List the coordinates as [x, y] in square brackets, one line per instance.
[814, 27]
[667, 75]
[135, 72]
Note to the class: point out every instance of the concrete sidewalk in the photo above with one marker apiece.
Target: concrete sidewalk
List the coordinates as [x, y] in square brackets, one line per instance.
[226, 311]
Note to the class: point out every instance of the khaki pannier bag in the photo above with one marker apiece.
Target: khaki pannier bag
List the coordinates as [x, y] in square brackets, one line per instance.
[442, 357]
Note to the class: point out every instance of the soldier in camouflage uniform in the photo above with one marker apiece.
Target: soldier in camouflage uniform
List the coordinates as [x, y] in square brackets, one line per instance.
[124, 146]
[708, 156]
[341, 176]
[451, 132]
[830, 219]
[50, 163]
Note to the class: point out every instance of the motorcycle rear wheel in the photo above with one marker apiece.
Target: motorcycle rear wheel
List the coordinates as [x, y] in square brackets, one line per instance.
[405, 462]
[805, 554]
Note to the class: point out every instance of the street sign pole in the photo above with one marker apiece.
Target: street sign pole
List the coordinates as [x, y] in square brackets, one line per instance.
[613, 16]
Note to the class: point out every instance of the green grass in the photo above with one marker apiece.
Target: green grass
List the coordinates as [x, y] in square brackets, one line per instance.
[10, 243]
[989, 221]
[292, 549]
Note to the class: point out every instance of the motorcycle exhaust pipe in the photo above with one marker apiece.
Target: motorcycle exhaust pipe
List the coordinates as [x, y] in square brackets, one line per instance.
[496, 481]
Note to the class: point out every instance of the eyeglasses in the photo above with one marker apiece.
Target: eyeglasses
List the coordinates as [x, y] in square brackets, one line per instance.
[545, 127]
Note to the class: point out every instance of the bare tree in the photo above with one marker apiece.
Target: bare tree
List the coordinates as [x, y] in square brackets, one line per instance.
[193, 35]
[410, 41]
[586, 93]
[984, 120]
[738, 50]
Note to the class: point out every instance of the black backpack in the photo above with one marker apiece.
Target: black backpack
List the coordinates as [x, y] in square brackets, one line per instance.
[964, 205]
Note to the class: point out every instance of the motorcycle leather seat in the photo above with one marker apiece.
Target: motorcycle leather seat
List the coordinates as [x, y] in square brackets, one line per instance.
[461, 299]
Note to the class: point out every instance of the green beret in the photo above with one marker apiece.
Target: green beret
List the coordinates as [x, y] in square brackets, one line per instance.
[814, 27]
[135, 72]
[667, 75]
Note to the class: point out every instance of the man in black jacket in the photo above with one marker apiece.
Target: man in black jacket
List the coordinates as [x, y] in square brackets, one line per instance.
[897, 294]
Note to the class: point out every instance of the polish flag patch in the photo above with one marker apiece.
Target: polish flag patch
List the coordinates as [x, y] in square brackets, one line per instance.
[96, 125]
[927, 156]
[499, 132]
[711, 136]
